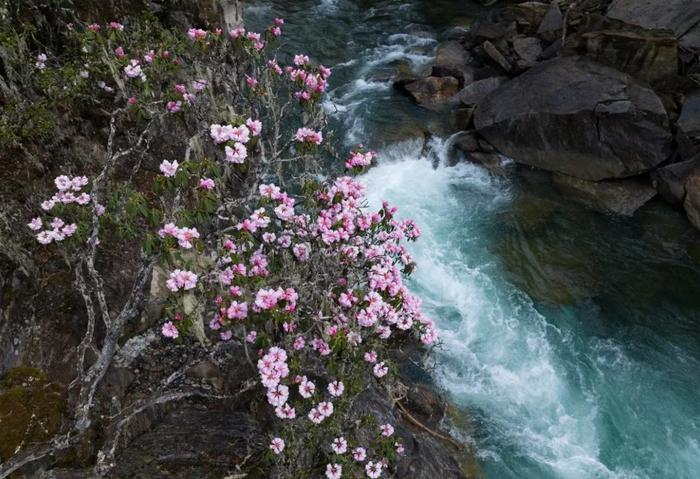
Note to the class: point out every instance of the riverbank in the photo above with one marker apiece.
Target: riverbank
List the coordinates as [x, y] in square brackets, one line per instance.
[602, 94]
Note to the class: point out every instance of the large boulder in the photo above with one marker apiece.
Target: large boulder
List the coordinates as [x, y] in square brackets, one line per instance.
[681, 16]
[577, 117]
[651, 55]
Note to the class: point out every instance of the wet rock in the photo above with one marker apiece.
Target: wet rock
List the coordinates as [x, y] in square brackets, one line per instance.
[466, 142]
[547, 273]
[670, 180]
[688, 134]
[493, 162]
[463, 118]
[531, 212]
[475, 92]
[649, 55]
[621, 197]
[577, 117]
[681, 16]
[452, 60]
[691, 204]
[432, 90]
[496, 55]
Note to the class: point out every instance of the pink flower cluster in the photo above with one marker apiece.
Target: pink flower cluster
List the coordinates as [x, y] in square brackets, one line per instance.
[179, 279]
[184, 236]
[359, 158]
[312, 82]
[253, 39]
[67, 194]
[307, 135]
[236, 138]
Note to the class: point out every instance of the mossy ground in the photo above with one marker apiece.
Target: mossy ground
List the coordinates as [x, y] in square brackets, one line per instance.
[31, 409]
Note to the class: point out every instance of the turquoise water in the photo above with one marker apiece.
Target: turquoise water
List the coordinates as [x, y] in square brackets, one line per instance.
[571, 339]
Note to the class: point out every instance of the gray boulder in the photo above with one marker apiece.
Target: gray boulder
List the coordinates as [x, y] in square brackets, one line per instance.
[646, 54]
[577, 117]
[681, 16]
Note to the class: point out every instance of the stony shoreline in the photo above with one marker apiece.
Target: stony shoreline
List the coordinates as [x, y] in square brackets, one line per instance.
[602, 93]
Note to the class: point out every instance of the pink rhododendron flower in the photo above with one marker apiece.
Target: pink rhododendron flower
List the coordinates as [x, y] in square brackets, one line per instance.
[306, 388]
[169, 168]
[44, 237]
[36, 224]
[196, 34]
[237, 310]
[399, 448]
[336, 388]
[307, 135]
[339, 445]
[181, 280]
[119, 52]
[300, 60]
[251, 81]
[373, 469]
[116, 26]
[277, 445]
[240, 134]
[359, 454]
[316, 416]
[169, 330]
[334, 471]
[174, 106]
[301, 251]
[206, 183]
[380, 370]
[237, 32]
[133, 69]
[255, 126]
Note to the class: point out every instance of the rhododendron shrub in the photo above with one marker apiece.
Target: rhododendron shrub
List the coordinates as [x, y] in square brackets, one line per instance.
[305, 278]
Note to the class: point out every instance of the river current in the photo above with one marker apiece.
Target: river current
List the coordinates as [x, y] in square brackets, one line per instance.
[571, 339]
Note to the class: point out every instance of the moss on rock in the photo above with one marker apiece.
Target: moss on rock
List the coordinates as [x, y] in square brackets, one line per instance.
[31, 409]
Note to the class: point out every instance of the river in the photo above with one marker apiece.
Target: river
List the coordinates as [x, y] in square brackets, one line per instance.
[571, 339]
